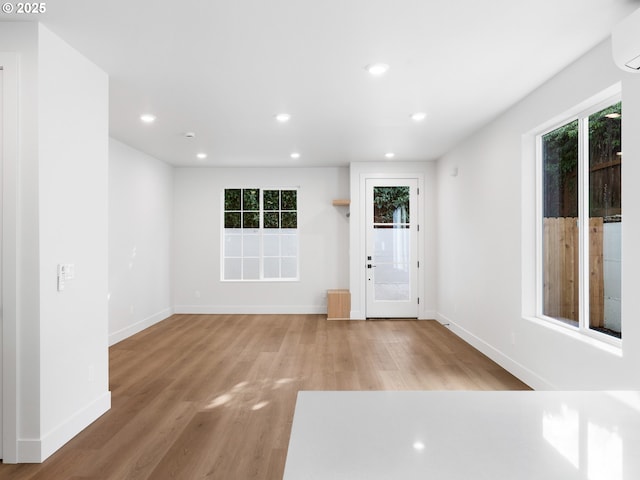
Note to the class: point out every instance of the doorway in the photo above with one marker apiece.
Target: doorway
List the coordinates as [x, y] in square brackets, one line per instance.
[391, 247]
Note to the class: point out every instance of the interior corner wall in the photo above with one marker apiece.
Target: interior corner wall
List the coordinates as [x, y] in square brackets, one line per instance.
[427, 173]
[140, 232]
[323, 241]
[484, 238]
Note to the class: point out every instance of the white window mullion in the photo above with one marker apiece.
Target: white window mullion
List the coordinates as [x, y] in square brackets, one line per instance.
[241, 250]
[583, 219]
[539, 231]
[261, 235]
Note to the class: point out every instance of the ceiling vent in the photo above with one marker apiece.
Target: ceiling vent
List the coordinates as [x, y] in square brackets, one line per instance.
[625, 40]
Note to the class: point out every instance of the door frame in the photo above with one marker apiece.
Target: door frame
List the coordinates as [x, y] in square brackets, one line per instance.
[9, 64]
[362, 234]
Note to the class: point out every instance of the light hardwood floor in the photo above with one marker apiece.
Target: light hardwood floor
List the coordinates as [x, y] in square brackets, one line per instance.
[212, 396]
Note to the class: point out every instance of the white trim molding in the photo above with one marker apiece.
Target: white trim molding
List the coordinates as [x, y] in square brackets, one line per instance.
[9, 63]
[38, 450]
[137, 327]
[518, 370]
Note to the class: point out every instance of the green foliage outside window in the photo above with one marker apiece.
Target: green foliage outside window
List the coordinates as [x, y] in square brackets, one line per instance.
[271, 200]
[289, 200]
[388, 200]
[289, 220]
[232, 199]
[271, 220]
[242, 208]
[251, 199]
[251, 220]
[232, 219]
[560, 159]
[560, 164]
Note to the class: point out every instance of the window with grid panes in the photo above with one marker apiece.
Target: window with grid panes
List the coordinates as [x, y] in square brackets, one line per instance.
[260, 234]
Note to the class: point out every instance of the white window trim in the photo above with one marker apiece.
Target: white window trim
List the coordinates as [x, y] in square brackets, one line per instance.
[261, 230]
[581, 113]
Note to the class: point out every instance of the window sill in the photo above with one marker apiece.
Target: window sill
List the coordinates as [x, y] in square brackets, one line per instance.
[602, 342]
[270, 280]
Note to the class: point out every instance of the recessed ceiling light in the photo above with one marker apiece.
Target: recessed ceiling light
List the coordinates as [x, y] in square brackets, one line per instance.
[201, 156]
[613, 115]
[389, 155]
[377, 69]
[147, 118]
[295, 155]
[190, 135]
[418, 116]
[283, 117]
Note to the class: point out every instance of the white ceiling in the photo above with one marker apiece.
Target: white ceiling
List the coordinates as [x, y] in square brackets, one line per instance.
[224, 68]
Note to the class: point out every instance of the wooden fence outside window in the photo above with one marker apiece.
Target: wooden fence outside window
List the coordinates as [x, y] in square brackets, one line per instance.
[561, 270]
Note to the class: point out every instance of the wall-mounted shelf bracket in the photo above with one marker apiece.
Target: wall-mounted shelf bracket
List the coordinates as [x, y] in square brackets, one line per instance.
[340, 202]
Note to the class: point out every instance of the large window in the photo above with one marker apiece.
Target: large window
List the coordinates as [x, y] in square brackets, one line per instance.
[260, 234]
[580, 224]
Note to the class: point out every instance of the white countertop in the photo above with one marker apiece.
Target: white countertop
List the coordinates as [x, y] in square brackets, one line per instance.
[465, 436]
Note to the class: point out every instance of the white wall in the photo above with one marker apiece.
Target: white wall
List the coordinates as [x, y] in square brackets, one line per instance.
[323, 233]
[140, 222]
[73, 147]
[426, 172]
[486, 239]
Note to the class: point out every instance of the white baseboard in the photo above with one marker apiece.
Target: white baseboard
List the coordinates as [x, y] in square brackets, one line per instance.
[137, 327]
[250, 309]
[38, 450]
[517, 369]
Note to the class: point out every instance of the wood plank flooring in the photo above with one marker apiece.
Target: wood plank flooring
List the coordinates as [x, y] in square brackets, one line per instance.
[212, 396]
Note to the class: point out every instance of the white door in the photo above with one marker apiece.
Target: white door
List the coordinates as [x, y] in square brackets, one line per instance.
[392, 240]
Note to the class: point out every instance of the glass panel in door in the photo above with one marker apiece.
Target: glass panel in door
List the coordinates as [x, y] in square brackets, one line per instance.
[391, 243]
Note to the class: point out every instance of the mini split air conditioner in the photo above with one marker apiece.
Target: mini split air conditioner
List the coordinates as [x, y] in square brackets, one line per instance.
[625, 40]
